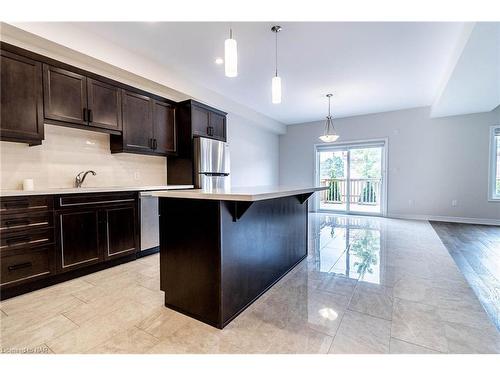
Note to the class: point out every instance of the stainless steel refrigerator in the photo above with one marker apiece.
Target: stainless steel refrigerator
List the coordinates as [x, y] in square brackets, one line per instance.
[211, 164]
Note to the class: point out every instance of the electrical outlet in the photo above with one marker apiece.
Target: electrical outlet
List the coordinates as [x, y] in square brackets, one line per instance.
[454, 203]
[411, 202]
[137, 175]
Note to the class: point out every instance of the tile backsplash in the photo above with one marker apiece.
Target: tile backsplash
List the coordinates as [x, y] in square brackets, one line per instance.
[67, 151]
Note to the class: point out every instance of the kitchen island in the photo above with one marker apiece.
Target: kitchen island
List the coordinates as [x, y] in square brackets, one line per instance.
[220, 250]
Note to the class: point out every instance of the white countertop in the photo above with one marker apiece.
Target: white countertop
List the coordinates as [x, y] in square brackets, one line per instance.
[248, 194]
[49, 191]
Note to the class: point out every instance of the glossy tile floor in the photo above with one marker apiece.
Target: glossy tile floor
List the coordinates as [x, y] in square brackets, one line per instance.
[369, 285]
[476, 251]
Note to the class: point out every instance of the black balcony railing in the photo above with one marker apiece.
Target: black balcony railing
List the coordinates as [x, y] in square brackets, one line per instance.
[361, 190]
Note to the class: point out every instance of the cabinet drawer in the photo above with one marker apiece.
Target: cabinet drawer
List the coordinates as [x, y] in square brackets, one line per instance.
[26, 240]
[73, 201]
[25, 204]
[26, 265]
[25, 221]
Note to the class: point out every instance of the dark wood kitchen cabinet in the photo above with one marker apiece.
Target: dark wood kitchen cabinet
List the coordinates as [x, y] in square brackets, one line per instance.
[120, 237]
[78, 238]
[104, 105]
[65, 96]
[207, 122]
[193, 119]
[217, 123]
[73, 99]
[138, 124]
[164, 128]
[92, 228]
[149, 126]
[21, 106]
[27, 252]
[45, 240]
[197, 119]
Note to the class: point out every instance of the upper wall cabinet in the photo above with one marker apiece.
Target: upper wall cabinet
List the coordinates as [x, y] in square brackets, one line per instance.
[164, 128]
[197, 119]
[21, 106]
[72, 99]
[149, 126]
[138, 118]
[104, 105]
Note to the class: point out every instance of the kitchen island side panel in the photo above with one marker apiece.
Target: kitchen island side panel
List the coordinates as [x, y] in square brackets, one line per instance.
[267, 241]
[190, 257]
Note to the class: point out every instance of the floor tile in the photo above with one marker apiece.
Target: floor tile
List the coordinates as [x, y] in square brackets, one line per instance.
[37, 333]
[131, 341]
[163, 322]
[406, 296]
[362, 334]
[419, 324]
[467, 340]
[373, 301]
[338, 285]
[99, 306]
[403, 347]
[100, 329]
[300, 341]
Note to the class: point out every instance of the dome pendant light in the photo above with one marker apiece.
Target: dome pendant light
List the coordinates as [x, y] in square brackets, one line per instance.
[330, 135]
[276, 81]
[231, 56]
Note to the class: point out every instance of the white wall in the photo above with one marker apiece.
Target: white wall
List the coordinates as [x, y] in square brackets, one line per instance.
[254, 154]
[430, 161]
[252, 136]
[66, 151]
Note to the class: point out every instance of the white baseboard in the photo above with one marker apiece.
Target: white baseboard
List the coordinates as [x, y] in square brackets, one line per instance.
[451, 219]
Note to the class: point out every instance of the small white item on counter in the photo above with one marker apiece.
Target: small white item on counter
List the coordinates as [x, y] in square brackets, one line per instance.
[28, 184]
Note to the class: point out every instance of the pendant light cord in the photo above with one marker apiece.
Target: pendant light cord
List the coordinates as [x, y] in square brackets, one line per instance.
[276, 55]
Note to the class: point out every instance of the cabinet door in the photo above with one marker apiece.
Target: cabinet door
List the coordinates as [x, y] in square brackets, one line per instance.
[104, 104]
[21, 106]
[121, 231]
[199, 121]
[217, 126]
[137, 122]
[65, 95]
[78, 239]
[165, 128]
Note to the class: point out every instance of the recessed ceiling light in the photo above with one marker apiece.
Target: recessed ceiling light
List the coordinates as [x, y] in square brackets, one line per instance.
[219, 61]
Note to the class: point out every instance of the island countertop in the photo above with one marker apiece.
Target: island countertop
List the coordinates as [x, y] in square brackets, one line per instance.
[247, 194]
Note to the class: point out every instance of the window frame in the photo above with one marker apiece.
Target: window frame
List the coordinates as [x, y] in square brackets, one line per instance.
[492, 171]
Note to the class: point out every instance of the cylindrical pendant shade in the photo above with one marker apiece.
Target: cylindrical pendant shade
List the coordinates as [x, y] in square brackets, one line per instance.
[231, 58]
[276, 90]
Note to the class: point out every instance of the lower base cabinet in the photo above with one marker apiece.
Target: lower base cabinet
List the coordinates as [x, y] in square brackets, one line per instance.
[120, 238]
[95, 228]
[49, 239]
[26, 265]
[78, 239]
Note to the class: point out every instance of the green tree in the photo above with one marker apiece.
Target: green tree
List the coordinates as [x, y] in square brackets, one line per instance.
[336, 170]
[366, 249]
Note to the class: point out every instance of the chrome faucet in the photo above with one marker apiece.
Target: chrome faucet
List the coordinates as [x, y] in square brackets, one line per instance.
[79, 180]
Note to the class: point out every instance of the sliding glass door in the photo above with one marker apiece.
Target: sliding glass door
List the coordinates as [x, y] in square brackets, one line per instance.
[354, 175]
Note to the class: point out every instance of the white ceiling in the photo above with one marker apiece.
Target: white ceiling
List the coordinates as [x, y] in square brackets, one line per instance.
[369, 67]
[474, 82]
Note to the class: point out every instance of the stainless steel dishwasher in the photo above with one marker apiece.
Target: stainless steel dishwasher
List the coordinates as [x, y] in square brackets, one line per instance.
[150, 223]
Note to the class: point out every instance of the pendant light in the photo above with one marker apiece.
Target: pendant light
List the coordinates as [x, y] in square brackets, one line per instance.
[330, 135]
[231, 56]
[276, 81]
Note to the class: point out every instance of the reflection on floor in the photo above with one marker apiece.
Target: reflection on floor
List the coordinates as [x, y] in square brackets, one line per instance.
[476, 251]
[369, 285]
[353, 207]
